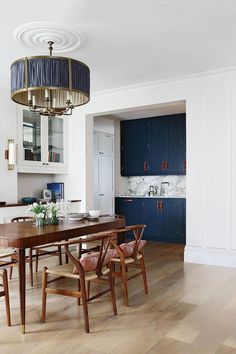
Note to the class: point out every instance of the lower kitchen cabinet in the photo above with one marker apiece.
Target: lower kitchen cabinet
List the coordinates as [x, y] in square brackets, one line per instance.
[165, 218]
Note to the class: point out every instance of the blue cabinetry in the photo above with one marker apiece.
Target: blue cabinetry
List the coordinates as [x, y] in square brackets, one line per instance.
[154, 146]
[165, 218]
[134, 147]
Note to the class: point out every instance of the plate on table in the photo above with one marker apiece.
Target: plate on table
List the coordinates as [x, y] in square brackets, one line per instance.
[76, 216]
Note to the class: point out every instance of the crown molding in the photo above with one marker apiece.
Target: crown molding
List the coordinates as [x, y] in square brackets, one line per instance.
[192, 79]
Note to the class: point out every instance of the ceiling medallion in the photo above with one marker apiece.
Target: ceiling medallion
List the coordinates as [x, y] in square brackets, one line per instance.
[36, 35]
[50, 85]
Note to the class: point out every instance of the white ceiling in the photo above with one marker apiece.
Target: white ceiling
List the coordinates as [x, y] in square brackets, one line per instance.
[132, 41]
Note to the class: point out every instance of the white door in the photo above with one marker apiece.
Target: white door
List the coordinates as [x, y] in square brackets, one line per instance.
[106, 144]
[105, 176]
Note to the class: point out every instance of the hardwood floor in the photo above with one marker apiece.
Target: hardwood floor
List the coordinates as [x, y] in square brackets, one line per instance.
[190, 309]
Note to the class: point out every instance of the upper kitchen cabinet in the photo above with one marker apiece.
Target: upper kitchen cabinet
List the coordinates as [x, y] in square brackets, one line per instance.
[154, 146]
[158, 145]
[134, 147]
[42, 143]
[176, 164]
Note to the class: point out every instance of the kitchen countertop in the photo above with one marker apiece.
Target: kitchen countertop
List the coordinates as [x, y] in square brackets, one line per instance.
[147, 196]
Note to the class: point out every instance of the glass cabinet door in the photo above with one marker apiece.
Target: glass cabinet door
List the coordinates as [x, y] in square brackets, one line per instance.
[31, 136]
[55, 140]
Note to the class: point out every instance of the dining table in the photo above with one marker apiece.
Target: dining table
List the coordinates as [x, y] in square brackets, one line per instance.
[25, 235]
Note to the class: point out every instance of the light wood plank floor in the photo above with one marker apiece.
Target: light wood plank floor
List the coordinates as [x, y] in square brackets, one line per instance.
[190, 309]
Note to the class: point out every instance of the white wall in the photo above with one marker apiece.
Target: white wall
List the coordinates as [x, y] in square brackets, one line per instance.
[211, 156]
[32, 184]
[8, 179]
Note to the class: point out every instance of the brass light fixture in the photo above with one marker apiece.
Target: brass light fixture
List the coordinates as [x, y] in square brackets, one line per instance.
[10, 154]
[50, 85]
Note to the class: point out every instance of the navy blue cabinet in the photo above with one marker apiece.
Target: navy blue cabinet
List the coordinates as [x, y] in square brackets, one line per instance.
[165, 218]
[134, 147]
[176, 161]
[157, 145]
[154, 146]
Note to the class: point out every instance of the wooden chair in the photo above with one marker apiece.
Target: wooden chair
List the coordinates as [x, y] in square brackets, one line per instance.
[39, 251]
[130, 255]
[5, 292]
[93, 266]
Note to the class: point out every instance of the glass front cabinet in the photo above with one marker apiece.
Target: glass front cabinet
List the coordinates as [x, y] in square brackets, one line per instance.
[42, 143]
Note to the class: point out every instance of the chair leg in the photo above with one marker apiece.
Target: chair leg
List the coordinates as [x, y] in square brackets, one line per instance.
[11, 271]
[88, 288]
[36, 261]
[113, 295]
[113, 269]
[85, 305]
[31, 267]
[7, 302]
[144, 274]
[124, 283]
[59, 255]
[79, 288]
[44, 294]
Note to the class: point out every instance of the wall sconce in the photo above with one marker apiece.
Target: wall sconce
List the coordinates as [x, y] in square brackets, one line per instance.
[10, 154]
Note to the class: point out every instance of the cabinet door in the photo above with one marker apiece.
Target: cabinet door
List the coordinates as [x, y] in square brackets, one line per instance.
[106, 205]
[158, 145]
[106, 143]
[30, 134]
[56, 141]
[131, 208]
[134, 148]
[153, 218]
[173, 218]
[105, 176]
[176, 144]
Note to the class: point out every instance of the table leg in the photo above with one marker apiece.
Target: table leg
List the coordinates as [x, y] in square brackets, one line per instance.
[21, 260]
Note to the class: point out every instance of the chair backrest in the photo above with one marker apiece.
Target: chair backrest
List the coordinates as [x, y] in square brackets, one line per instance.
[137, 233]
[103, 240]
[22, 219]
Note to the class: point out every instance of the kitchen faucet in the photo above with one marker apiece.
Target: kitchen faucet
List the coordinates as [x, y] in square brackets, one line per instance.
[152, 191]
[163, 189]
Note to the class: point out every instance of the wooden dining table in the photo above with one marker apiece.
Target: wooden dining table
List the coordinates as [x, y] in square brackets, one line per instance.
[26, 235]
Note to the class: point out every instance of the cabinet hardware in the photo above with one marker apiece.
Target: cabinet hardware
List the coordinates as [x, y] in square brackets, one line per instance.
[185, 165]
[145, 166]
[161, 205]
[163, 166]
[166, 165]
[128, 200]
[101, 195]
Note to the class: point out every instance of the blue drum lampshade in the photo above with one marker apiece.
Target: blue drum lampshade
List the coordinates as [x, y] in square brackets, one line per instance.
[50, 85]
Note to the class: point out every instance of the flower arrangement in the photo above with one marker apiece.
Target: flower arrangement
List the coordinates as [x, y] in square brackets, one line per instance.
[53, 213]
[40, 213]
[44, 212]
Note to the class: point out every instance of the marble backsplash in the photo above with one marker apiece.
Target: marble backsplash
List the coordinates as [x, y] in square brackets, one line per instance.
[140, 185]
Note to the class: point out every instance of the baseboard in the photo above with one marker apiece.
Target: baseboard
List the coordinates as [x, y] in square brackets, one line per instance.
[210, 256]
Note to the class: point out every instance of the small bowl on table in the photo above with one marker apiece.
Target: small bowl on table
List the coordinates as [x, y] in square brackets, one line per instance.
[94, 214]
